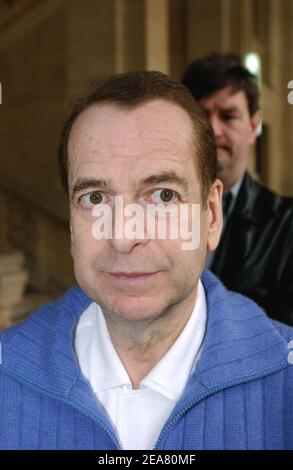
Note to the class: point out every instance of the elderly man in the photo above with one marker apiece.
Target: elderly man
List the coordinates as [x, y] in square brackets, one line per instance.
[255, 254]
[148, 352]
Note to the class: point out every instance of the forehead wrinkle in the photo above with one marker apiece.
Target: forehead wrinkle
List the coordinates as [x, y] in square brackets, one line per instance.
[147, 137]
[140, 132]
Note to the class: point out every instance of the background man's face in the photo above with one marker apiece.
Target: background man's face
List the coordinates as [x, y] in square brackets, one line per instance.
[123, 147]
[234, 131]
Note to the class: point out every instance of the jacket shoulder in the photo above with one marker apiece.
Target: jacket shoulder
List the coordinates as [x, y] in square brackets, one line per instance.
[72, 301]
[267, 198]
[284, 330]
[259, 203]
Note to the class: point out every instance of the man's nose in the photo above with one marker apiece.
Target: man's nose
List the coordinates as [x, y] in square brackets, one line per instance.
[128, 231]
[125, 245]
[217, 126]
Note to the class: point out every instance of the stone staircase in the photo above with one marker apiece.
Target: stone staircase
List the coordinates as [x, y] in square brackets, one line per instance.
[15, 303]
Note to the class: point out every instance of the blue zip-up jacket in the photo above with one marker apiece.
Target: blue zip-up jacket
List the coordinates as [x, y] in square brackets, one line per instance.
[240, 395]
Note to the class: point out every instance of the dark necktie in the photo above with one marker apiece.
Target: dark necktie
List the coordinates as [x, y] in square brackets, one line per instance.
[227, 199]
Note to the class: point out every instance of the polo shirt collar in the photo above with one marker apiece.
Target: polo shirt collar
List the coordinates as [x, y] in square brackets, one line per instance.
[103, 368]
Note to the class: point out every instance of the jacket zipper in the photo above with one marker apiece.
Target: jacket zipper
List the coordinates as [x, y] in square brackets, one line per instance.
[167, 428]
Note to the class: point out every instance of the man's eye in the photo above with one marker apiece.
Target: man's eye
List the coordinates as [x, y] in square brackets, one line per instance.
[164, 196]
[92, 199]
[229, 117]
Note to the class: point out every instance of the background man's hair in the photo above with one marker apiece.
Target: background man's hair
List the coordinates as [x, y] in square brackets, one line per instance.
[215, 71]
[129, 90]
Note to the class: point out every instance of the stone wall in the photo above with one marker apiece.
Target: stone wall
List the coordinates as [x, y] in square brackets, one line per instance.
[44, 240]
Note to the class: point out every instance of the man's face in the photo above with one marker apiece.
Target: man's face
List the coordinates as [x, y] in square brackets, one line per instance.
[124, 148]
[234, 129]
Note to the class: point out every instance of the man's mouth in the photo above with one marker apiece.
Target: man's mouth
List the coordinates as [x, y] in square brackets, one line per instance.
[223, 147]
[133, 277]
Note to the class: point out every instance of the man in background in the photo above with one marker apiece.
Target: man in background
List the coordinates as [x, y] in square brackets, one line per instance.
[255, 254]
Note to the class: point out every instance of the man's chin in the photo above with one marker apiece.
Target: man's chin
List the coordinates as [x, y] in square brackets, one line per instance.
[223, 162]
[133, 308]
[222, 153]
[220, 168]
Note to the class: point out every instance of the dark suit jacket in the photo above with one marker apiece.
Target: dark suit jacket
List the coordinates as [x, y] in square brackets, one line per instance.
[255, 254]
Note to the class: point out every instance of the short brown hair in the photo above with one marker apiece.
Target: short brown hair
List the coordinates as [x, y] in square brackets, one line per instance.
[132, 89]
[214, 71]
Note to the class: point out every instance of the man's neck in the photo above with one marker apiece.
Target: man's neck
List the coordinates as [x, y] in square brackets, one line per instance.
[228, 186]
[141, 344]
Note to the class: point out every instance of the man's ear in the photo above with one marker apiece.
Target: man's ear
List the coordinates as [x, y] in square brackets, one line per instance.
[215, 215]
[71, 236]
[254, 123]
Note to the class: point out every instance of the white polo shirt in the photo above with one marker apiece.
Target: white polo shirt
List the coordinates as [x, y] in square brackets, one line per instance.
[138, 415]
